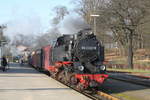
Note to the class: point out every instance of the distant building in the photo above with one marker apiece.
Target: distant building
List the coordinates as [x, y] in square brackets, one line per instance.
[21, 48]
[23, 51]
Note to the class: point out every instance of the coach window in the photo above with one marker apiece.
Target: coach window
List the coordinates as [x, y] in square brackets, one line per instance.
[60, 41]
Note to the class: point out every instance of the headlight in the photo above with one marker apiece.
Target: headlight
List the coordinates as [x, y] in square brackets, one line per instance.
[81, 68]
[102, 67]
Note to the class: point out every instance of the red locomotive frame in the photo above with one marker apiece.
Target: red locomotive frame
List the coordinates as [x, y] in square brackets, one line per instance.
[82, 81]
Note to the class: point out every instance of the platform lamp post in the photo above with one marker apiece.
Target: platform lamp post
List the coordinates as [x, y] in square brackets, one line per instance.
[2, 44]
[94, 15]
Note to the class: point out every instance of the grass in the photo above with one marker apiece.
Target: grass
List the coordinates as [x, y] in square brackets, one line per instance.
[126, 97]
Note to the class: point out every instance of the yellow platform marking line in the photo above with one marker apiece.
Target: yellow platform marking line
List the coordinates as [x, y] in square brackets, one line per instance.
[107, 96]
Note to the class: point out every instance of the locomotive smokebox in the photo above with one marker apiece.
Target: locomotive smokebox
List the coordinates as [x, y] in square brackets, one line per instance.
[88, 50]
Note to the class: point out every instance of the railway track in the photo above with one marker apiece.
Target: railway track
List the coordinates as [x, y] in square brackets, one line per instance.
[134, 74]
[99, 95]
[145, 83]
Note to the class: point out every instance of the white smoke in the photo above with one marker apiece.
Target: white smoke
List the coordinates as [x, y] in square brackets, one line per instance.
[26, 26]
[23, 21]
[72, 24]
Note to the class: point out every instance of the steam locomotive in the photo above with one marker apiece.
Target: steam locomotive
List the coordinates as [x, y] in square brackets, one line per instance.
[76, 59]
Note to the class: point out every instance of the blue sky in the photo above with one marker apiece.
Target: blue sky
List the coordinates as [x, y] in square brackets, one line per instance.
[27, 13]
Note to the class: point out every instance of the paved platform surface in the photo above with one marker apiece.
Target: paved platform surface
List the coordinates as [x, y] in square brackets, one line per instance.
[25, 83]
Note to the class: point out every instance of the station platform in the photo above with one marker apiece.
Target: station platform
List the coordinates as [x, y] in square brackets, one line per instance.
[25, 83]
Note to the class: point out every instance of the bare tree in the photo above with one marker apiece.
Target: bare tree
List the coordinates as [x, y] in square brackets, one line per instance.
[86, 8]
[61, 12]
[125, 17]
[26, 40]
[46, 39]
[121, 17]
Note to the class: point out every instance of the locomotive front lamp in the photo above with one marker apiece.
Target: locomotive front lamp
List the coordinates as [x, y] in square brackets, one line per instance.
[102, 67]
[81, 68]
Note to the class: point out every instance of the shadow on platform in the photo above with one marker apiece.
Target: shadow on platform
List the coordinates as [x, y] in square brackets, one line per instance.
[34, 89]
[113, 86]
[17, 68]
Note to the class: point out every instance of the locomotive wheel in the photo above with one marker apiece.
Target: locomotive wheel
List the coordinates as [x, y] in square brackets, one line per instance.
[91, 91]
[59, 76]
[53, 75]
[94, 90]
[73, 80]
[62, 77]
[80, 87]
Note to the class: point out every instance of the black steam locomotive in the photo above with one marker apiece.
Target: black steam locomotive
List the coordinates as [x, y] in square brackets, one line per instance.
[83, 49]
[76, 59]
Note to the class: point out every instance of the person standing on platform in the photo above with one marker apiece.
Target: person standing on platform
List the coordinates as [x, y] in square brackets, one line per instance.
[21, 61]
[4, 63]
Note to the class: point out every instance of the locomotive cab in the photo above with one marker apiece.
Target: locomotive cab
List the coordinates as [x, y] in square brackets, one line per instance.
[61, 49]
